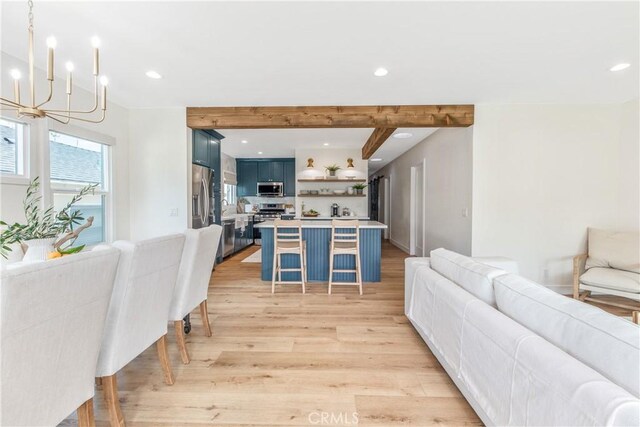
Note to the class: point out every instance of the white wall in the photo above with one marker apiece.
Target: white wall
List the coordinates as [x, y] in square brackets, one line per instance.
[448, 154]
[160, 167]
[114, 126]
[326, 157]
[542, 174]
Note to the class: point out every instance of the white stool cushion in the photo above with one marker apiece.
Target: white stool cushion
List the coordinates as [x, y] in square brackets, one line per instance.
[610, 278]
[473, 276]
[606, 343]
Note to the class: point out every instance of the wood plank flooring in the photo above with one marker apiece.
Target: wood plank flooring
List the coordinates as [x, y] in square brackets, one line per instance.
[295, 360]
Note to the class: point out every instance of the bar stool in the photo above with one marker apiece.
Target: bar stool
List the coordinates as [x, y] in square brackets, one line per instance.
[345, 243]
[287, 240]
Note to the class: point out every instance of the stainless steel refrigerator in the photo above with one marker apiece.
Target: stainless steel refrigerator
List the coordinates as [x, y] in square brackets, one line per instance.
[203, 196]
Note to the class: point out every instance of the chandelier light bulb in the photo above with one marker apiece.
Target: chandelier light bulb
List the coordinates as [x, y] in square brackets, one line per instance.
[69, 66]
[51, 42]
[95, 42]
[104, 80]
[16, 74]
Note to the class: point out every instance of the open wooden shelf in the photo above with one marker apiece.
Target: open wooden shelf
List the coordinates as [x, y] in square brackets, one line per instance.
[332, 180]
[332, 195]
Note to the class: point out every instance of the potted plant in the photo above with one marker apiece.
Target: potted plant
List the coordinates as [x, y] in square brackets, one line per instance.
[359, 188]
[332, 169]
[45, 231]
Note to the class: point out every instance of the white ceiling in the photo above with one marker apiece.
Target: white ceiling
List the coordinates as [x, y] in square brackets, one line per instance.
[324, 53]
[283, 142]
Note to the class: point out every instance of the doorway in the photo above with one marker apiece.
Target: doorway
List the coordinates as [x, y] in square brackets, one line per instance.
[385, 205]
[417, 210]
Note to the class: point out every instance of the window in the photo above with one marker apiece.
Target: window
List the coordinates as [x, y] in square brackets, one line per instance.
[13, 160]
[75, 163]
[230, 193]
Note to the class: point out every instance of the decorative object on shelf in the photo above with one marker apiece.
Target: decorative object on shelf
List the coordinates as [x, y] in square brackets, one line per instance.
[359, 188]
[45, 231]
[314, 192]
[304, 192]
[350, 177]
[339, 192]
[325, 191]
[332, 169]
[350, 163]
[33, 109]
[309, 163]
[350, 191]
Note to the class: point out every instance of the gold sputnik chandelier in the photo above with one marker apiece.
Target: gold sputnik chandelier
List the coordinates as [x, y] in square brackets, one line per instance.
[36, 110]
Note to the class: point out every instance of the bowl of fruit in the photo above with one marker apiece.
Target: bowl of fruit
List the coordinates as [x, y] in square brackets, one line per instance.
[311, 213]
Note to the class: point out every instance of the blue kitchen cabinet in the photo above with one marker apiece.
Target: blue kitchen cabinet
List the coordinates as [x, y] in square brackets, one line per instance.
[289, 178]
[201, 148]
[264, 171]
[247, 175]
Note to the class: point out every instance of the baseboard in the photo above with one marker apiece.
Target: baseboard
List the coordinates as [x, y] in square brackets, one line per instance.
[399, 245]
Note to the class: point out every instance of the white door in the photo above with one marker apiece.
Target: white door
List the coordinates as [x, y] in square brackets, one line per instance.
[419, 206]
[385, 205]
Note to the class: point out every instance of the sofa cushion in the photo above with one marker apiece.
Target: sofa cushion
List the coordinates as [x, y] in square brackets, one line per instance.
[606, 343]
[611, 278]
[614, 249]
[475, 277]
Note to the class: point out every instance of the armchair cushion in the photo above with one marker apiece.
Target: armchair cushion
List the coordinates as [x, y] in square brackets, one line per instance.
[610, 278]
[614, 249]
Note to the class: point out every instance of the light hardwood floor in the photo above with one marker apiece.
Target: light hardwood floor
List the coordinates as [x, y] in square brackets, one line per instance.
[286, 359]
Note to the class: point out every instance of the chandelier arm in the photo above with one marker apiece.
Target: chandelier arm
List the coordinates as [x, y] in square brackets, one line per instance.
[95, 105]
[49, 97]
[6, 101]
[58, 120]
[79, 118]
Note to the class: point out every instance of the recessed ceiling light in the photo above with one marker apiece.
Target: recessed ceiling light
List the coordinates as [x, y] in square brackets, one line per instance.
[153, 74]
[375, 159]
[259, 152]
[381, 72]
[244, 141]
[402, 135]
[326, 144]
[620, 67]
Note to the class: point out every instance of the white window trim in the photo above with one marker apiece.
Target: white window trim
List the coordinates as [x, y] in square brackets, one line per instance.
[108, 191]
[25, 177]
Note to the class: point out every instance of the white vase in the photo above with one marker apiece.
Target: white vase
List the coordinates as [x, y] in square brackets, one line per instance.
[38, 249]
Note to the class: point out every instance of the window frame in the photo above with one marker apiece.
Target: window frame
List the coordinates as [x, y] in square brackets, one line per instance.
[57, 187]
[25, 148]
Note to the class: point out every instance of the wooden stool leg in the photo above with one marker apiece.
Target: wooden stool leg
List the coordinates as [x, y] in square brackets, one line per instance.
[163, 355]
[204, 315]
[279, 267]
[182, 344]
[302, 270]
[110, 386]
[98, 382]
[85, 414]
[359, 271]
[330, 269]
[635, 315]
[275, 269]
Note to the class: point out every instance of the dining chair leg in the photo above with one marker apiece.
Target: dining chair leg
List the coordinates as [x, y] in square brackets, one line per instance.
[98, 382]
[163, 355]
[302, 270]
[110, 386]
[635, 315]
[85, 414]
[180, 340]
[275, 269]
[204, 315]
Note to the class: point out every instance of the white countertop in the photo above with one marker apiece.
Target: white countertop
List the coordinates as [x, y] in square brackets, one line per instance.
[324, 224]
[325, 217]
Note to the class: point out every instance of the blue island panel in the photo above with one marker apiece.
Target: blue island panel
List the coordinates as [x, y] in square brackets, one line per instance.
[318, 240]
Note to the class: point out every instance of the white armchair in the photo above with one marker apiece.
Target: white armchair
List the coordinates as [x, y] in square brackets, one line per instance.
[53, 315]
[611, 267]
[138, 311]
[198, 257]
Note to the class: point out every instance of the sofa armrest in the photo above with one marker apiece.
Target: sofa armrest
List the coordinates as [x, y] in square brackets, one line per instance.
[579, 262]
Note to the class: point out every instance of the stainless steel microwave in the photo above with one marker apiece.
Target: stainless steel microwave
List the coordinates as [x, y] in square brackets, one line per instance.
[270, 189]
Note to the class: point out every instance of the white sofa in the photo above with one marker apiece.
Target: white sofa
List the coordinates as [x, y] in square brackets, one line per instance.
[520, 353]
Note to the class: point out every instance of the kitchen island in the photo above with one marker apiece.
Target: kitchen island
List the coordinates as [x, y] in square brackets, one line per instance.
[317, 235]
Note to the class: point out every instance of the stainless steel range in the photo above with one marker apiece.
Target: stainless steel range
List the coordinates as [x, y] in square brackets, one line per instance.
[266, 211]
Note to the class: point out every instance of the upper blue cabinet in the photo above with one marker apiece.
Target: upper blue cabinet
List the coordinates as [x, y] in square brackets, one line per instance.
[206, 148]
[252, 171]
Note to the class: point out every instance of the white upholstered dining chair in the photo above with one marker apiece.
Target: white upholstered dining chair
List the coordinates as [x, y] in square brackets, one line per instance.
[192, 286]
[138, 311]
[53, 315]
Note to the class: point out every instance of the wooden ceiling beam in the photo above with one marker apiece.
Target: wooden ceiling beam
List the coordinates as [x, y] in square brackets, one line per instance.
[375, 141]
[380, 116]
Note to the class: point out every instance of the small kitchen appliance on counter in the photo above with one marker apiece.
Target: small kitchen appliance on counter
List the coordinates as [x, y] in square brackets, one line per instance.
[335, 210]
